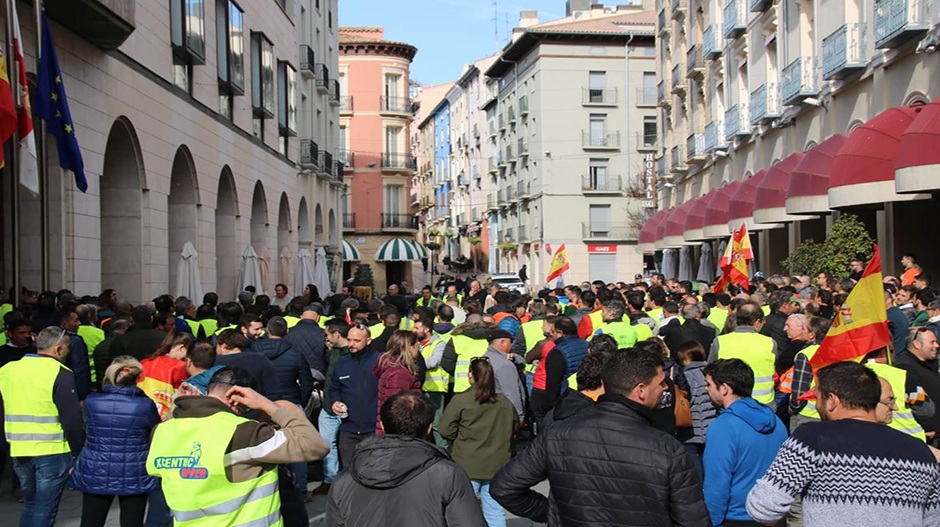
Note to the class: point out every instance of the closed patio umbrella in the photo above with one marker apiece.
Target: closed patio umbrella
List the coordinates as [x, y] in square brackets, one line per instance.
[264, 263]
[187, 274]
[250, 274]
[685, 263]
[304, 271]
[321, 275]
[283, 267]
[706, 265]
[670, 263]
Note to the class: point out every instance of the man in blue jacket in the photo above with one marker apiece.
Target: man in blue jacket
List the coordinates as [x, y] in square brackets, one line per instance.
[355, 392]
[741, 442]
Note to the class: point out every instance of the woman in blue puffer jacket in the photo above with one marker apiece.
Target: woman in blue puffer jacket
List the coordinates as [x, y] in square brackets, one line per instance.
[113, 462]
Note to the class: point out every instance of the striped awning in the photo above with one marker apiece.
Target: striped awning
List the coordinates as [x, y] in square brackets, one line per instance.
[422, 250]
[397, 250]
[350, 253]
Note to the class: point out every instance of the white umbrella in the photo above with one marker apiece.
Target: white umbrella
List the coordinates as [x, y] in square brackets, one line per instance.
[706, 265]
[304, 271]
[670, 263]
[250, 273]
[283, 266]
[321, 276]
[187, 274]
[685, 263]
[264, 264]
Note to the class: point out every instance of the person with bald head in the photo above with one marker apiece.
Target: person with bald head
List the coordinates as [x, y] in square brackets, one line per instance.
[756, 350]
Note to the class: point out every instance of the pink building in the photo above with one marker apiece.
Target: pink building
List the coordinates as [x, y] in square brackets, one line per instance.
[375, 119]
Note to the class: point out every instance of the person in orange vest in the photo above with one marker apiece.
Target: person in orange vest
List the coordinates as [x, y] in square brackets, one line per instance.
[797, 329]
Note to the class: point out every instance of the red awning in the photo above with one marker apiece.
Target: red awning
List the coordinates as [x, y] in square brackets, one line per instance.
[695, 220]
[661, 228]
[770, 203]
[716, 214]
[863, 172]
[647, 239]
[741, 209]
[675, 226]
[809, 182]
[919, 153]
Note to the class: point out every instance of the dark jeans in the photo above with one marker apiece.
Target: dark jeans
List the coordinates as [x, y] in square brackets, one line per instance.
[159, 513]
[43, 479]
[293, 511]
[742, 523]
[95, 509]
[347, 447]
[695, 452]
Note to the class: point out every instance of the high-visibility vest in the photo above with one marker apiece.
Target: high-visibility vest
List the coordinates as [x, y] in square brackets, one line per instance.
[903, 418]
[810, 409]
[718, 317]
[436, 379]
[31, 418]
[445, 298]
[209, 326]
[422, 303]
[376, 330]
[766, 309]
[623, 333]
[92, 337]
[643, 331]
[757, 351]
[324, 320]
[656, 314]
[4, 309]
[597, 319]
[531, 331]
[406, 324]
[572, 381]
[786, 382]
[188, 455]
[193, 326]
[291, 321]
[230, 326]
[467, 349]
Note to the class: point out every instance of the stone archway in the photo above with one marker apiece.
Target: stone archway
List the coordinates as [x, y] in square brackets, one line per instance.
[182, 214]
[259, 218]
[283, 238]
[122, 181]
[303, 225]
[318, 225]
[226, 247]
[334, 238]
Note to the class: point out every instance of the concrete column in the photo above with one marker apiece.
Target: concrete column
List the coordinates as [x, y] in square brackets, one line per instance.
[884, 220]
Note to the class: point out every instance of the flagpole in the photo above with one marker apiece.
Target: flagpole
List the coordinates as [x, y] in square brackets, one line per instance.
[43, 172]
[11, 166]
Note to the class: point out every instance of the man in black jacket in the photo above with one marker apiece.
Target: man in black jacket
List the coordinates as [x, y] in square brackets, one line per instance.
[691, 329]
[647, 473]
[782, 305]
[590, 386]
[308, 338]
[402, 479]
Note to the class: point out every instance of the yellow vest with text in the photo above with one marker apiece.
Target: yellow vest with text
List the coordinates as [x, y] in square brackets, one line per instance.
[533, 334]
[188, 455]
[437, 379]
[758, 352]
[31, 419]
[810, 409]
[623, 333]
[643, 331]
[902, 419]
[467, 349]
[92, 337]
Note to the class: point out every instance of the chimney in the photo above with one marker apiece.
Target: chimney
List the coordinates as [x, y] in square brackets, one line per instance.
[528, 18]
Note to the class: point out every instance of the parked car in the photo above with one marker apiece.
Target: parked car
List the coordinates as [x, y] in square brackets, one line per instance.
[510, 281]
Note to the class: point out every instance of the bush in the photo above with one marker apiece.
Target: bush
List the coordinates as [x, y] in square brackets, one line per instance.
[508, 247]
[847, 239]
[434, 246]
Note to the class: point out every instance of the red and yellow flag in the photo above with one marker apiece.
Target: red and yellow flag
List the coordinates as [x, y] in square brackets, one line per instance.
[8, 121]
[559, 264]
[861, 324]
[734, 263]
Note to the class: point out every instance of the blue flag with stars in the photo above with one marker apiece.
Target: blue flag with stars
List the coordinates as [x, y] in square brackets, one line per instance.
[53, 107]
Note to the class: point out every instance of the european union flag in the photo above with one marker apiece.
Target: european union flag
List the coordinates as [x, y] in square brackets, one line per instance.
[53, 106]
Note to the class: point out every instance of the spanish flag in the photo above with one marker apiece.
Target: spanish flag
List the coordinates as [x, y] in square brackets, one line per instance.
[559, 264]
[734, 263]
[8, 120]
[861, 324]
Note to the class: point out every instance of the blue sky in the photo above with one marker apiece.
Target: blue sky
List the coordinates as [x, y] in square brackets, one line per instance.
[447, 33]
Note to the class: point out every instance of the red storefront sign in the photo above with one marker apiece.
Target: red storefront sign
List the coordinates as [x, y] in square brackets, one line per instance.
[602, 249]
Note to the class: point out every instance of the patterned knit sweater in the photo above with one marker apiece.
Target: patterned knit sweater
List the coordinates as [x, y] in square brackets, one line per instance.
[850, 473]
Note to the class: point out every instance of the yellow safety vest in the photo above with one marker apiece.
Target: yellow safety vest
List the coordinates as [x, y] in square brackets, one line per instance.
[467, 349]
[31, 418]
[324, 320]
[209, 326]
[193, 326]
[188, 455]
[757, 351]
[810, 409]
[655, 314]
[406, 324]
[92, 337]
[766, 309]
[573, 381]
[437, 379]
[376, 330]
[220, 330]
[902, 419]
[4, 309]
[643, 331]
[597, 319]
[718, 317]
[291, 321]
[623, 333]
[422, 303]
[532, 333]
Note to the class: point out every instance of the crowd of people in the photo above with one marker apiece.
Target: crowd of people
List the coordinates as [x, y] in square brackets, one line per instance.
[656, 402]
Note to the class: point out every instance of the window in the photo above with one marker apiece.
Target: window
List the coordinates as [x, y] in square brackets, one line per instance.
[600, 221]
[287, 99]
[649, 131]
[182, 77]
[599, 179]
[262, 76]
[187, 31]
[649, 88]
[230, 47]
[257, 128]
[393, 102]
[596, 83]
[598, 130]
[393, 199]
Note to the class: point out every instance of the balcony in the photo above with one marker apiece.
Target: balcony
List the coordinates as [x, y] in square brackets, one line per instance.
[600, 141]
[844, 51]
[695, 65]
[736, 121]
[714, 136]
[346, 104]
[339, 172]
[661, 97]
[507, 236]
[307, 62]
[695, 148]
[523, 106]
[309, 154]
[679, 8]
[508, 155]
[463, 179]
[502, 122]
[326, 163]
[335, 98]
[522, 146]
[678, 78]
[323, 78]
[502, 198]
[661, 166]
[799, 81]
[646, 97]
[104, 23]
[759, 6]
[491, 125]
[601, 184]
[897, 21]
[599, 96]
[491, 202]
[399, 221]
[476, 131]
[711, 46]
[735, 19]
[349, 221]
[523, 234]
[662, 23]
[511, 115]
[608, 231]
[645, 142]
[491, 165]
[346, 157]
[677, 159]
[522, 190]
[394, 104]
[765, 103]
[395, 161]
